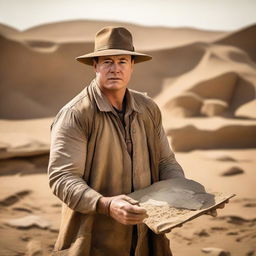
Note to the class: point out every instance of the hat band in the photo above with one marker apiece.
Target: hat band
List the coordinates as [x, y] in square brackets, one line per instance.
[111, 47]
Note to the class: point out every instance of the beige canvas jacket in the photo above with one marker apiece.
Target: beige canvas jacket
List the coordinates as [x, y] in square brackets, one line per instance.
[89, 158]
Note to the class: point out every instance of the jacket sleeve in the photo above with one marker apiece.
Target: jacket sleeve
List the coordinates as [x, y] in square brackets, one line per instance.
[67, 162]
[168, 166]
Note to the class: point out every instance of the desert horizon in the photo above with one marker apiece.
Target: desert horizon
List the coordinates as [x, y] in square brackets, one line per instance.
[205, 85]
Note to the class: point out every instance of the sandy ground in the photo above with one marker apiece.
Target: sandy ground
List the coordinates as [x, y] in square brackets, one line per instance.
[24, 194]
[235, 227]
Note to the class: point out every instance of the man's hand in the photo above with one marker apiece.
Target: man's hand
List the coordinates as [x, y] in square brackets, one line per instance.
[123, 209]
[213, 212]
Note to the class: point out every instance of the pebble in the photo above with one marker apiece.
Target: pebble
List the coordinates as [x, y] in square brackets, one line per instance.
[234, 170]
[250, 253]
[216, 251]
[202, 233]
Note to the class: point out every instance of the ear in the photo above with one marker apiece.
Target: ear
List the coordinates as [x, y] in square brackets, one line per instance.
[94, 64]
[132, 65]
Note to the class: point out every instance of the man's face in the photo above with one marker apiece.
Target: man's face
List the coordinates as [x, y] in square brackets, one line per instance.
[113, 72]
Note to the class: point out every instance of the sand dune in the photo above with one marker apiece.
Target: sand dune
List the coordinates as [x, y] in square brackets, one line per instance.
[244, 39]
[8, 31]
[39, 81]
[55, 71]
[220, 84]
[211, 133]
[54, 66]
[216, 72]
[84, 31]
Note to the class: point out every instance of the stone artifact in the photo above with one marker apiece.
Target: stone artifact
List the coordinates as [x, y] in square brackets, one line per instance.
[170, 203]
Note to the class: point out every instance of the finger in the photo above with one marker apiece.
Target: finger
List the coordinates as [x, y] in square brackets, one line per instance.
[221, 206]
[129, 219]
[133, 216]
[134, 220]
[213, 213]
[123, 208]
[130, 200]
[135, 209]
[123, 204]
[126, 222]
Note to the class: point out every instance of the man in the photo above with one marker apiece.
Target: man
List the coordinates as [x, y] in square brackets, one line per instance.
[107, 142]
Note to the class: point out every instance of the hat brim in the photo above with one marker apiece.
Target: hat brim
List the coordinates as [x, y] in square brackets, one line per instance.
[88, 58]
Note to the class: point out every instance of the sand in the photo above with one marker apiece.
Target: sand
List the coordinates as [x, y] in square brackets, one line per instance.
[233, 229]
[24, 137]
[204, 83]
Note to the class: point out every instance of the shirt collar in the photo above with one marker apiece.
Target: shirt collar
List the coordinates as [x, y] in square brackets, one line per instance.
[104, 105]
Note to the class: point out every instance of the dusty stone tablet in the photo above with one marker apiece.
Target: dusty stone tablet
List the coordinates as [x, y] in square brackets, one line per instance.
[172, 202]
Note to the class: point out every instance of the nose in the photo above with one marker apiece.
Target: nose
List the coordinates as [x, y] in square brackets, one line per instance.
[114, 68]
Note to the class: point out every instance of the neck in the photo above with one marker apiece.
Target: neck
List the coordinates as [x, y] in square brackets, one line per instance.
[115, 98]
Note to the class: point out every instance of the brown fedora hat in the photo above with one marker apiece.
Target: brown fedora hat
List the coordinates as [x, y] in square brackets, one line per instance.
[113, 41]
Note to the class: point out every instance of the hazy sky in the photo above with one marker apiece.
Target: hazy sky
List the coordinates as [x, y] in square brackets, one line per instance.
[206, 14]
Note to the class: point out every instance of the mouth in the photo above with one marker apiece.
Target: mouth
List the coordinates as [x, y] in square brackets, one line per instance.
[114, 79]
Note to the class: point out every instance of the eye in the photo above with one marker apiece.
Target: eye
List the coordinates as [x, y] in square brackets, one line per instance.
[107, 61]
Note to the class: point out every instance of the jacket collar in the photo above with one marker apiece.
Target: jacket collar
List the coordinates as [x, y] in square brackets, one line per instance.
[104, 105]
